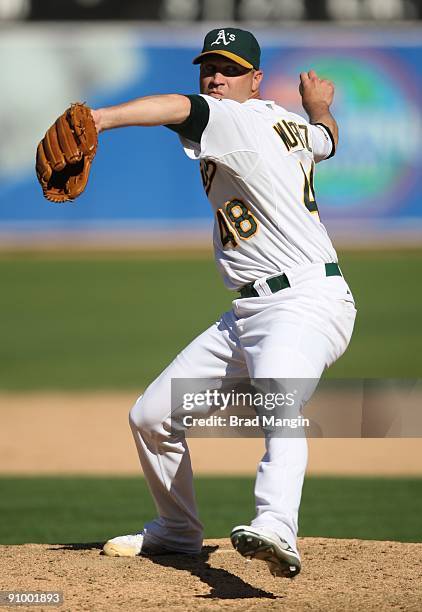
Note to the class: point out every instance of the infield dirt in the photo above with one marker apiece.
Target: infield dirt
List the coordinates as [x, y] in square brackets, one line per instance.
[70, 433]
[337, 575]
[64, 433]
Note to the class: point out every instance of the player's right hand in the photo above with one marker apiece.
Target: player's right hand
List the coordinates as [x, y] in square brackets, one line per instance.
[96, 115]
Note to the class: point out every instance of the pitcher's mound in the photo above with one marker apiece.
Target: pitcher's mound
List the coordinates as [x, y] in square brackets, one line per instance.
[337, 575]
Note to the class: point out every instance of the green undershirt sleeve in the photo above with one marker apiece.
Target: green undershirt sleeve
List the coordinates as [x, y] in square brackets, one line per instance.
[193, 127]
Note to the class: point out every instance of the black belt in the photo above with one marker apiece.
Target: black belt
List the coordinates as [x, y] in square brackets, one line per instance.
[277, 283]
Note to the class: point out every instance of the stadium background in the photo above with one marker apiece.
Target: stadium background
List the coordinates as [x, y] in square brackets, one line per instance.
[97, 296]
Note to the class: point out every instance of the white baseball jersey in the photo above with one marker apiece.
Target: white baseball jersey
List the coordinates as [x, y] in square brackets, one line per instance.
[257, 164]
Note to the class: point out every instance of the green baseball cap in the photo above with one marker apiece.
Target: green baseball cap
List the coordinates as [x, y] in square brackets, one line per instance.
[240, 46]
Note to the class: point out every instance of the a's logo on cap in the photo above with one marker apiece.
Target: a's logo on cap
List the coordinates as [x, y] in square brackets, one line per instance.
[221, 38]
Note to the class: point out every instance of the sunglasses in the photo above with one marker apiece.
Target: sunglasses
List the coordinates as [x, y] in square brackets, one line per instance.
[229, 70]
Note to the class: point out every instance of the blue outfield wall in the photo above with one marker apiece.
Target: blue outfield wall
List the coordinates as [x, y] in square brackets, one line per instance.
[141, 177]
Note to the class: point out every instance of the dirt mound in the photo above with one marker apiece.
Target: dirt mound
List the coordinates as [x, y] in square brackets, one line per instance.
[337, 575]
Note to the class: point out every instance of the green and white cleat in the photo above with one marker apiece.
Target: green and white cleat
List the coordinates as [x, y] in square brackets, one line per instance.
[257, 543]
[136, 544]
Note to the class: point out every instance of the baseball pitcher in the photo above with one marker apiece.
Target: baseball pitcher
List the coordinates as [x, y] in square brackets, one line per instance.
[293, 313]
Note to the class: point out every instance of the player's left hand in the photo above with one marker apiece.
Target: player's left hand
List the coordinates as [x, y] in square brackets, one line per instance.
[315, 91]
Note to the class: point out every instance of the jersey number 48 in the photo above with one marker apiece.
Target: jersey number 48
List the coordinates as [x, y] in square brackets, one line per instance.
[235, 222]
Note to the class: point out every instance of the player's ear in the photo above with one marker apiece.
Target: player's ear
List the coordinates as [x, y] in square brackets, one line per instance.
[258, 75]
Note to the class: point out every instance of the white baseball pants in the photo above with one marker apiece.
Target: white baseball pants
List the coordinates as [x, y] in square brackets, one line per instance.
[294, 333]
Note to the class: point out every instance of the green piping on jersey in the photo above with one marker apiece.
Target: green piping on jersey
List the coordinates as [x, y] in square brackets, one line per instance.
[193, 127]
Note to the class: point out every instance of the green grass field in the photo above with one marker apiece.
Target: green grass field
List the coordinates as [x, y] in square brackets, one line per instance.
[114, 322]
[57, 510]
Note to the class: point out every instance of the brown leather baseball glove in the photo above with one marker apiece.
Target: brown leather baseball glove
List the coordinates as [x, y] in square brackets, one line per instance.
[65, 154]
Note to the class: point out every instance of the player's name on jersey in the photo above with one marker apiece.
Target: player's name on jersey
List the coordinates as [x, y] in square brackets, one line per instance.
[294, 136]
[234, 420]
